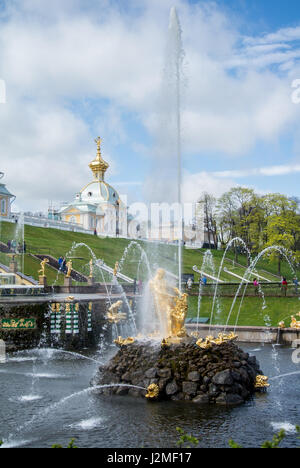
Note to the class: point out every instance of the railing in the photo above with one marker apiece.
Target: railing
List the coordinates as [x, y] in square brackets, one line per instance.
[230, 290]
[40, 221]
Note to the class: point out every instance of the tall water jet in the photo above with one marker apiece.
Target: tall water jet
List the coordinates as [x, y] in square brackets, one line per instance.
[164, 183]
[176, 61]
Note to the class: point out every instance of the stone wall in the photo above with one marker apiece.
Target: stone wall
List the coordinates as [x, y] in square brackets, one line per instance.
[17, 339]
[251, 334]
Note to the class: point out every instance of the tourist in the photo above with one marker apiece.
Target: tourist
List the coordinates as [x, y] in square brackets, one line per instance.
[64, 265]
[296, 284]
[189, 284]
[284, 286]
[140, 286]
[60, 264]
[8, 244]
[255, 284]
[134, 286]
[95, 232]
[204, 280]
[24, 247]
[13, 245]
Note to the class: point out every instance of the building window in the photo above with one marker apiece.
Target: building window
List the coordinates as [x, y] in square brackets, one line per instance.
[3, 206]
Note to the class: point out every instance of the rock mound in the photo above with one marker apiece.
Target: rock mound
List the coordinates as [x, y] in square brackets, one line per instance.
[223, 374]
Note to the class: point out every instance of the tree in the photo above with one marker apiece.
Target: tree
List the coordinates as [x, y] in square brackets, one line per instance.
[282, 227]
[208, 203]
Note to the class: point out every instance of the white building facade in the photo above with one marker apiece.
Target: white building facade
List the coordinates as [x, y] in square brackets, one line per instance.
[97, 206]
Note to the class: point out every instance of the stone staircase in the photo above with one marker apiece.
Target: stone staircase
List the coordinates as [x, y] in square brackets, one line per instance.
[53, 262]
[4, 248]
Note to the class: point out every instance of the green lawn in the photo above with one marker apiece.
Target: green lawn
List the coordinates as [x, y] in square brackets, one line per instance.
[279, 308]
[56, 243]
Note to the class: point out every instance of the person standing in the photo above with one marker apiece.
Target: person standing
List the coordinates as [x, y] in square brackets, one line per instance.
[60, 263]
[189, 284]
[64, 265]
[255, 284]
[296, 284]
[284, 286]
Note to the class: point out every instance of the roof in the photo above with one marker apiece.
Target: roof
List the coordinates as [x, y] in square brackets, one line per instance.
[4, 191]
[80, 206]
[99, 191]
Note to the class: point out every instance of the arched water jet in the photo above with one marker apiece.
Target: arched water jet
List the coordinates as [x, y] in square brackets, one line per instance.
[57, 351]
[143, 257]
[230, 243]
[208, 262]
[64, 400]
[251, 267]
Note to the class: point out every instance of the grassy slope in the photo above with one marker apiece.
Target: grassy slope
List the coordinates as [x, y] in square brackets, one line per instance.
[279, 308]
[56, 243]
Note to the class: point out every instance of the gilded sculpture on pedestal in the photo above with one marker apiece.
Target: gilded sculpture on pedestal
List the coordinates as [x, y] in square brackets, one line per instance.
[91, 268]
[69, 266]
[43, 266]
[116, 268]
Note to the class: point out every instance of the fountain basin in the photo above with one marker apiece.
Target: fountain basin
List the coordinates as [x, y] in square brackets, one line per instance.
[222, 375]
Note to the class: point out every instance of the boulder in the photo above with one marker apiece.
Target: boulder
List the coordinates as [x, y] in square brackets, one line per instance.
[194, 376]
[223, 378]
[190, 388]
[172, 388]
[201, 399]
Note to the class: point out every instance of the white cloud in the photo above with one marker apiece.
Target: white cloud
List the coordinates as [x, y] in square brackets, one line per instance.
[109, 60]
[195, 184]
[263, 171]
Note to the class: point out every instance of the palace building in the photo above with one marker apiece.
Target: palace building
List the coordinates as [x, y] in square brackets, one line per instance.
[98, 205]
[6, 199]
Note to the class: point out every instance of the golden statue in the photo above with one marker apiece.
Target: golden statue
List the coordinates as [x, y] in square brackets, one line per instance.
[210, 340]
[43, 265]
[124, 341]
[113, 314]
[69, 266]
[91, 268]
[171, 309]
[70, 298]
[116, 268]
[262, 381]
[152, 391]
[294, 323]
[178, 314]
[98, 141]
[205, 344]
[281, 324]
[163, 301]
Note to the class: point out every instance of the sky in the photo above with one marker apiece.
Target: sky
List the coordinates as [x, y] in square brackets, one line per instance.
[77, 69]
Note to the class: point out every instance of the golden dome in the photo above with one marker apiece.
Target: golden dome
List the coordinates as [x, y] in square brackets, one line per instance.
[98, 165]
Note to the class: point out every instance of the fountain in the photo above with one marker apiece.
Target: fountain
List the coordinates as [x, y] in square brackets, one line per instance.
[173, 365]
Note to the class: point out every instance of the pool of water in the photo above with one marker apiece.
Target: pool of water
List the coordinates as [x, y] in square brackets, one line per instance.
[38, 410]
